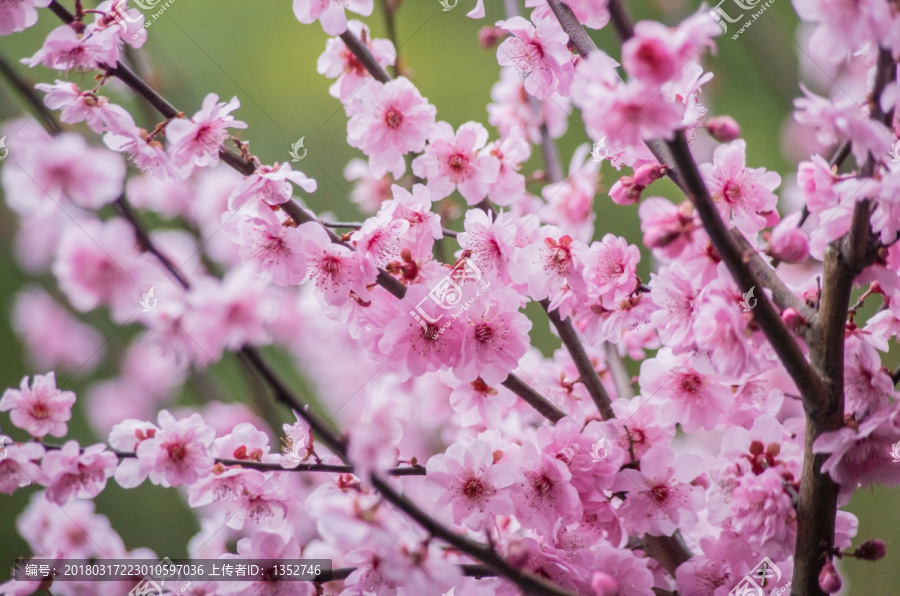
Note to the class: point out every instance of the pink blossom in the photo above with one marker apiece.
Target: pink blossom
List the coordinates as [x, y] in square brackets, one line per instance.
[512, 109]
[18, 15]
[694, 399]
[196, 142]
[178, 452]
[126, 436]
[570, 203]
[512, 151]
[678, 301]
[478, 404]
[609, 268]
[20, 465]
[98, 263]
[330, 13]
[274, 248]
[538, 51]
[670, 230]
[453, 161]
[466, 478]
[373, 442]
[77, 105]
[388, 121]
[369, 192]
[743, 194]
[546, 266]
[496, 337]
[489, 242]
[842, 119]
[764, 513]
[271, 185]
[415, 208]
[591, 13]
[788, 243]
[64, 49]
[545, 494]
[379, 239]
[626, 568]
[65, 169]
[269, 546]
[335, 270]
[339, 62]
[40, 408]
[71, 472]
[146, 152]
[52, 335]
[660, 498]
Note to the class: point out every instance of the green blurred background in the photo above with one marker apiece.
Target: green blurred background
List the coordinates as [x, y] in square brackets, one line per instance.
[260, 53]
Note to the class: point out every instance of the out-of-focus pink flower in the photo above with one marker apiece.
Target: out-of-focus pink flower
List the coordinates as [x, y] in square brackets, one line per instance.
[64, 49]
[339, 62]
[20, 465]
[330, 13]
[538, 51]
[723, 128]
[72, 473]
[273, 247]
[788, 243]
[512, 152]
[453, 161]
[52, 335]
[18, 15]
[196, 142]
[41, 408]
[388, 121]
[511, 109]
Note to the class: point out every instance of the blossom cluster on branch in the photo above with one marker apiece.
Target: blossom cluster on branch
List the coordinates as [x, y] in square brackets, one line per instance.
[455, 455]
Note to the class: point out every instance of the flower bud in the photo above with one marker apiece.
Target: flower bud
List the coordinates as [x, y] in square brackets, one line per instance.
[625, 191]
[489, 36]
[723, 128]
[648, 173]
[829, 580]
[788, 243]
[792, 318]
[871, 550]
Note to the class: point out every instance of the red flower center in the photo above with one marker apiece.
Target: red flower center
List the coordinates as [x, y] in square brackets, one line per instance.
[393, 118]
[659, 493]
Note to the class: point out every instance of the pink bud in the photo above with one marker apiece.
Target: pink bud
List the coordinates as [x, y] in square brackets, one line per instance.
[787, 242]
[604, 584]
[792, 318]
[489, 36]
[829, 580]
[723, 128]
[871, 550]
[647, 173]
[625, 191]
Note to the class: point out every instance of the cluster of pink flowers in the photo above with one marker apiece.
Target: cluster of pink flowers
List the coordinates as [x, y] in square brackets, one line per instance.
[574, 471]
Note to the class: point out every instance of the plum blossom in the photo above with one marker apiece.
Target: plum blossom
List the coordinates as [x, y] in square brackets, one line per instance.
[538, 51]
[39, 407]
[764, 513]
[18, 15]
[65, 49]
[660, 498]
[271, 185]
[609, 268]
[489, 241]
[466, 478]
[512, 151]
[20, 466]
[335, 270]
[547, 265]
[453, 161]
[273, 247]
[178, 451]
[196, 142]
[388, 121]
[337, 61]
[511, 109]
[545, 494]
[71, 472]
[743, 194]
[79, 106]
[330, 13]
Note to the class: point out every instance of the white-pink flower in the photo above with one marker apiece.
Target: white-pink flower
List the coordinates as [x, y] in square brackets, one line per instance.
[18, 15]
[388, 121]
[65, 49]
[476, 489]
[274, 248]
[71, 473]
[178, 452]
[40, 409]
[337, 61]
[453, 161]
[609, 268]
[271, 185]
[330, 13]
[335, 270]
[196, 142]
[741, 193]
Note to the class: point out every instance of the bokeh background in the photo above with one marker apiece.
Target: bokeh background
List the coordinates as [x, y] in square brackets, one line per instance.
[260, 53]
